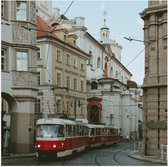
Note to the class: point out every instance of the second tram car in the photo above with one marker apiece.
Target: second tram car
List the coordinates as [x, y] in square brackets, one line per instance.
[102, 135]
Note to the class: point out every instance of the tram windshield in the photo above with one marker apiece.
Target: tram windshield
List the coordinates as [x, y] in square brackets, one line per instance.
[50, 131]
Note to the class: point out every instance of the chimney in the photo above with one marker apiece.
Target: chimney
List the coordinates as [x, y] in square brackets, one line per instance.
[56, 13]
[79, 21]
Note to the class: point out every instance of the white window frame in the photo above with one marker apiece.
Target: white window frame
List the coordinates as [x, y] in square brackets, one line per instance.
[68, 59]
[68, 81]
[75, 62]
[75, 82]
[22, 61]
[21, 11]
[59, 55]
[59, 79]
[82, 85]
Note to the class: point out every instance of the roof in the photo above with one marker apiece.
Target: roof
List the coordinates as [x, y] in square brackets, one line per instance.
[107, 40]
[43, 28]
[131, 84]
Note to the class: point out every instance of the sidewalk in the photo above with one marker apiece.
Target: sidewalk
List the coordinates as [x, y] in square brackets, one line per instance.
[155, 159]
[10, 155]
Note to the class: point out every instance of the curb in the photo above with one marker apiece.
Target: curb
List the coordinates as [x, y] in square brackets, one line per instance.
[147, 158]
[8, 156]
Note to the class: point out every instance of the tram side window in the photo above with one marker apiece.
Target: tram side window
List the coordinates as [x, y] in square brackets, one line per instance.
[61, 131]
[108, 132]
[68, 130]
[84, 131]
[77, 130]
[114, 131]
[73, 130]
[97, 131]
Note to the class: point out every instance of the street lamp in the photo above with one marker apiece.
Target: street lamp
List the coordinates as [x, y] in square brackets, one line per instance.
[29, 127]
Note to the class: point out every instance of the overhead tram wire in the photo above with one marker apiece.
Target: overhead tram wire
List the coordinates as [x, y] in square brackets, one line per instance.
[139, 54]
[53, 31]
[50, 32]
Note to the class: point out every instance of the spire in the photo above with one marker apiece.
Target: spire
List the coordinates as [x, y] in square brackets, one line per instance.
[104, 26]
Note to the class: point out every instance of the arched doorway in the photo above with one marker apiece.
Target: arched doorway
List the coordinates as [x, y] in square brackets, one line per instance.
[94, 114]
[8, 104]
[94, 108]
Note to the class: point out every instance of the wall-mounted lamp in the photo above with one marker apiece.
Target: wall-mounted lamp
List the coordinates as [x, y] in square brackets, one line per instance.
[29, 127]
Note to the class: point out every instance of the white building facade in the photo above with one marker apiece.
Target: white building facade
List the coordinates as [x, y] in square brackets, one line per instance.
[112, 97]
[18, 75]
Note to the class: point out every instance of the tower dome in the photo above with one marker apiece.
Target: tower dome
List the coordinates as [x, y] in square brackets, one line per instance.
[104, 35]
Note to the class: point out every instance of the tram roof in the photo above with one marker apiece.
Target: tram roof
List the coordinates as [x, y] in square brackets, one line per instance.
[55, 121]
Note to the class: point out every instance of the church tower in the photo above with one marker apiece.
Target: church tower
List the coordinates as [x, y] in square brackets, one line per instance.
[105, 39]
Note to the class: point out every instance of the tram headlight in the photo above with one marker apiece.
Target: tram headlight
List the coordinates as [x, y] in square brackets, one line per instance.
[54, 146]
[38, 146]
[62, 145]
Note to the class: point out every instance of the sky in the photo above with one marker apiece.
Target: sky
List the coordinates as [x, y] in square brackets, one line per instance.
[123, 20]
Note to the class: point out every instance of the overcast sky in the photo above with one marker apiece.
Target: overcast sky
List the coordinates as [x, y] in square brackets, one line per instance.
[123, 20]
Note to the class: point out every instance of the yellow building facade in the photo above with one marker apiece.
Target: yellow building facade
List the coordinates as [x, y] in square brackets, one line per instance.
[62, 74]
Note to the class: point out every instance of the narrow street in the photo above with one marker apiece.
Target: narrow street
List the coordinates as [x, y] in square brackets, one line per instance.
[106, 156]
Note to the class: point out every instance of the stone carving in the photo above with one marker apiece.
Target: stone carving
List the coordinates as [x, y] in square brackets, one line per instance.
[20, 34]
[24, 78]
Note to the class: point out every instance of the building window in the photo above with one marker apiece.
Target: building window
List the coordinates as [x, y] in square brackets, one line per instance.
[111, 72]
[59, 105]
[68, 59]
[58, 55]
[21, 11]
[38, 106]
[94, 85]
[38, 54]
[82, 108]
[22, 61]
[82, 86]
[4, 9]
[98, 62]
[4, 60]
[68, 107]
[75, 62]
[116, 74]
[68, 82]
[38, 77]
[82, 66]
[58, 79]
[65, 37]
[166, 114]
[75, 84]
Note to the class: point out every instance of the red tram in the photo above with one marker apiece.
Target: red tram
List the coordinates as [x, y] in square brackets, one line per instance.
[62, 137]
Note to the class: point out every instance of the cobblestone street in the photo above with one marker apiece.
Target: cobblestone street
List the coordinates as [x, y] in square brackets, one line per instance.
[105, 156]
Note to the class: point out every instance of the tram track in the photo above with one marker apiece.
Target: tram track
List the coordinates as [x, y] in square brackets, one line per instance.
[97, 159]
